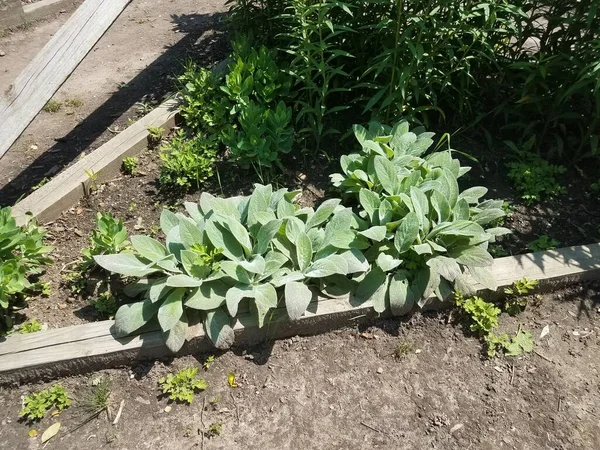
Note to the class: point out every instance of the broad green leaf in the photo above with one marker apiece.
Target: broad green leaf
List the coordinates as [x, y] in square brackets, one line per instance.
[472, 195]
[265, 298]
[471, 256]
[137, 287]
[193, 209]
[265, 235]
[209, 296]
[158, 289]
[450, 187]
[327, 266]
[168, 220]
[259, 201]
[297, 299]
[257, 265]
[484, 277]
[183, 281]
[386, 174]
[174, 242]
[369, 201]
[190, 234]
[124, 264]
[387, 262]
[148, 247]
[423, 249]
[461, 210]
[171, 309]
[236, 271]
[421, 207]
[441, 206]
[273, 261]
[133, 316]
[218, 329]
[176, 335]
[322, 213]
[446, 267]
[222, 238]
[238, 231]
[287, 278]
[374, 288]
[293, 228]
[339, 224]
[406, 233]
[285, 209]
[401, 298]
[487, 216]
[357, 263]
[235, 295]
[303, 251]
[376, 233]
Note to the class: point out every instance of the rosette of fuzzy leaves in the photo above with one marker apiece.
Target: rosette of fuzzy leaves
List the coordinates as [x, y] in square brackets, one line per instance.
[427, 237]
[263, 248]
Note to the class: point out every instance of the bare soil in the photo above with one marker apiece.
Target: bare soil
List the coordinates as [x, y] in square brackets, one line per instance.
[349, 390]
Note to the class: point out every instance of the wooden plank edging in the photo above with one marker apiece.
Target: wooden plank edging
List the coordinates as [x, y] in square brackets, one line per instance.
[88, 347]
[69, 186]
[44, 75]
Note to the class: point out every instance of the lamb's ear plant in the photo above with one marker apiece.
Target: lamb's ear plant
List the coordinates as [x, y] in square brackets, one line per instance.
[263, 248]
[427, 237]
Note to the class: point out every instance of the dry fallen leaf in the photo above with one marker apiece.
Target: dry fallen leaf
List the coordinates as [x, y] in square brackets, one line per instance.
[231, 380]
[50, 432]
[545, 331]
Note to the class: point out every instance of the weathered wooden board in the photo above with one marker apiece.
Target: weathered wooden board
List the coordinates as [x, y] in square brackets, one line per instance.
[92, 346]
[65, 189]
[38, 82]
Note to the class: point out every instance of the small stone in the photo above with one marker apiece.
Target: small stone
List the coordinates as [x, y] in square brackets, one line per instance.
[34, 147]
[2, 53]
[168, 408]
[380, 370]
[417, 351]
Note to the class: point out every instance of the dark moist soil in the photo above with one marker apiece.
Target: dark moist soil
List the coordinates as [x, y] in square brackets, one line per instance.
[348, 390]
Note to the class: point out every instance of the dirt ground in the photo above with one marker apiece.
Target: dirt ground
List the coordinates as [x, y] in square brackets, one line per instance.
[130, 70]
[348, 390]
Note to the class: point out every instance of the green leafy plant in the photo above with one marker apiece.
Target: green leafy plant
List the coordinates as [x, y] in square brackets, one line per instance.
[182, 385]
[92, 181]
[520, 343]
[105, 305]
[98, 398]
[483, 315]
[543, 243]
[130, 165]
[516, 300]
[208, 362]
[155, 134]
[534, 178]
[31, 326]
[36, 405]
[187, 162]
[215, 429]
[403, 348]
[425, 235]
[53, 106]
[22, 255]
[262, 248]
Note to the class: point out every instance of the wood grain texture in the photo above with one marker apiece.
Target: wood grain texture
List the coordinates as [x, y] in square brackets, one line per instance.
[38, 82]
[65, 189]
[81, 347]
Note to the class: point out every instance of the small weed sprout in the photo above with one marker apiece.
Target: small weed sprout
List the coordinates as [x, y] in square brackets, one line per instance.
[36, 405]
[98, 398]
[516, 300]
[130, 165]
[74, 103]
[543, 243]
[215, 429]
[105, 305]
[92, 178]
[40, 184]
[181, 386]
[403, 348]
[209, 362]
[483, 315]
[53, 106]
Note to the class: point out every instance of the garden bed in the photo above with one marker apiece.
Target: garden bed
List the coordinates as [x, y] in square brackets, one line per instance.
[348, 389]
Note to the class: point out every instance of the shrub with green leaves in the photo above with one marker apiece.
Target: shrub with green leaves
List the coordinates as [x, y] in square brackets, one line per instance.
[36, 405]
[483, 315]
[182, 385]
[427, 237]
[22, 255]
[187, 161]
[262, 247]
[534, 178]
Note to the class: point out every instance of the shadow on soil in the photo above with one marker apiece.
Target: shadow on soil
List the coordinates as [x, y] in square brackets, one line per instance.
[203, 41]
